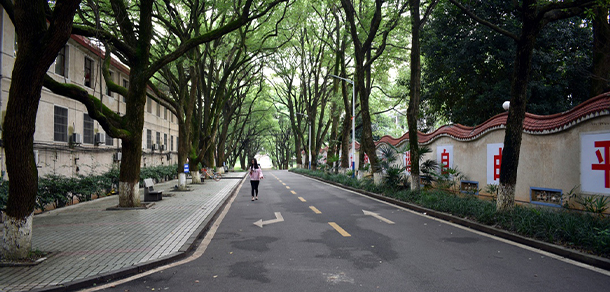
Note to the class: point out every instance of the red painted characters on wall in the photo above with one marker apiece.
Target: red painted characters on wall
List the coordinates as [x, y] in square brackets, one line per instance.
[595, 163]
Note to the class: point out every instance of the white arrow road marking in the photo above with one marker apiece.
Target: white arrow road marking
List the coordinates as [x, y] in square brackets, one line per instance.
[369, 213]
[278, 218]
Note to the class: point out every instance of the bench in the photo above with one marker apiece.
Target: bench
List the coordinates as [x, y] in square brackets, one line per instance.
[149, 191]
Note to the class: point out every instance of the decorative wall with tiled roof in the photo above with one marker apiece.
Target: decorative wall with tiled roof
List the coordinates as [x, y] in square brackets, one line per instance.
[533, 124]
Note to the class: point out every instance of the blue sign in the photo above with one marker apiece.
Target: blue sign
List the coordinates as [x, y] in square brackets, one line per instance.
[186, 168]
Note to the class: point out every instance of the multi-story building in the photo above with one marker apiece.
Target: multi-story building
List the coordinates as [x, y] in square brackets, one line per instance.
[67, 141]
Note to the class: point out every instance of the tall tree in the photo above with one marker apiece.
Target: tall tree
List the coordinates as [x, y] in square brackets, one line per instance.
[480, 68]
[306, 103]
[417, 23]
[42, 28]
[180, 94]
[534, 16]
[369, 36]
[340, 88]
[601, 50]
[130, 38]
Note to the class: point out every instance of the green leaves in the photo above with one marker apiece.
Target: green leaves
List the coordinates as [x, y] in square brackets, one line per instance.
[468, 66]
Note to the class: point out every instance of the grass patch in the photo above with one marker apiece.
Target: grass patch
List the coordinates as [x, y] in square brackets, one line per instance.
[577, 230]
[34, 257]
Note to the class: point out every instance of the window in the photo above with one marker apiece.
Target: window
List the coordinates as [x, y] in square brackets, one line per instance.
[148, 139]
[158, 109]
[172, 117]
[60, 62]
[60, 124]
[165, 139]
[109, 140]
[158, 138]
[149, 105]
[108, 92]
[171, 142]
[88, 71]
[126, 85]
[165, 113]
[88, 136]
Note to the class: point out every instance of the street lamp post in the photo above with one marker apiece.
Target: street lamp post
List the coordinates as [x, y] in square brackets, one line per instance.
[353, 121]
[309, 135]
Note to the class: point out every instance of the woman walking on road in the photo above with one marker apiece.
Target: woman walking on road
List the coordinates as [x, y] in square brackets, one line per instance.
[255, 176]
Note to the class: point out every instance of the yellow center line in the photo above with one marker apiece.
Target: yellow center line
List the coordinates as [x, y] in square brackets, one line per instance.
[302, 200]
[287, 187]
[283, 183]
[339, 229]
[315, 210]
[293, 192]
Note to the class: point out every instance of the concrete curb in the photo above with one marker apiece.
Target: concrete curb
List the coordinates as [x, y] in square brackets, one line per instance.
[575, 255]
[185, 250]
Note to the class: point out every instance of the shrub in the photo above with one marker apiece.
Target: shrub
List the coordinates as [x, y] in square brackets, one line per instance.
[59, 190]
[158, 173]
[53, 189]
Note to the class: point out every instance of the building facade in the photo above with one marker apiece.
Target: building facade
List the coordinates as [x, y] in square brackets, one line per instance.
[67, 141]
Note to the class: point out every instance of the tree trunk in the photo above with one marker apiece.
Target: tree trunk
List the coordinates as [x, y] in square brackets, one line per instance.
[18, 137]
[242, 160]
[129, 175]
[367, 145]
[414, 94]
[297, 149]
[347, 123]
[16, 236]
[287, 160]
[516, 115]
[196, 177]
[39, 43]
[345, 143]
[184, 144]
[334, 132]
[600, 81]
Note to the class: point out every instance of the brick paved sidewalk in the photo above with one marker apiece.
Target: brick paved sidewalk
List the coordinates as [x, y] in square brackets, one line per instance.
[90, 244]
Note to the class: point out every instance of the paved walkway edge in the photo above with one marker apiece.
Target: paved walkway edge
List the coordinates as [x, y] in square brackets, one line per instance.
[575, 255]
[185, 250]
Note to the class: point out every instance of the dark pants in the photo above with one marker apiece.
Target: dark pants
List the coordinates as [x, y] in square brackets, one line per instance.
[254, 184]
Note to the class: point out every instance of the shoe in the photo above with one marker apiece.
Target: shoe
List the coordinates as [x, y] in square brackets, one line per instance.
[252, 199]
[256, 198]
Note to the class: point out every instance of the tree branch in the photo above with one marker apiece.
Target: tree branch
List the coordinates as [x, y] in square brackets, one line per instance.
[485, 22]
[108, 119]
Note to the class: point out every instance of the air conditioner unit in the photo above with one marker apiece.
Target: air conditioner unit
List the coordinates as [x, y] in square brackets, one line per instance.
[155, 147]
[117, 156]
[163, 147]
[100, 138]
[76, 138]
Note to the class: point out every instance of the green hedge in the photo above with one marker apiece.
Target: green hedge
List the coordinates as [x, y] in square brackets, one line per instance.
[577, 230]
[58, 189]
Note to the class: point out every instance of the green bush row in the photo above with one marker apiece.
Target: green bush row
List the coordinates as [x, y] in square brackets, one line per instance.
[59, 190]
[577, 230]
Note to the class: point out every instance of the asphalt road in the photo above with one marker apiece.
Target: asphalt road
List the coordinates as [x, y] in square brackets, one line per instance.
[326, 242]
